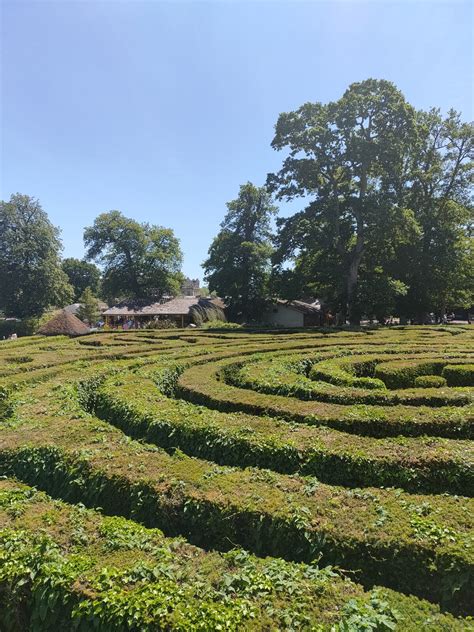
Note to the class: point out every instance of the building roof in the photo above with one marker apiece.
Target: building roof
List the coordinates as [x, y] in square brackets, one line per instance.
[73, 308]
[173, 307]
[178, 306]
[64, 324]
[301, 306]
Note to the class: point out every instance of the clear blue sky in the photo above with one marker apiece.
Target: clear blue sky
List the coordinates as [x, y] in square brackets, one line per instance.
[162, 110]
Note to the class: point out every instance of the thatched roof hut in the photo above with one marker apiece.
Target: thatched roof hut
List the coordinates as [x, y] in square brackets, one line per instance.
[64, 324]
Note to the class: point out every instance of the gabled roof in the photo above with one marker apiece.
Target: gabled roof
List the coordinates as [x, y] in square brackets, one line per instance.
[178, 306]
[173, 307]
[301, 306]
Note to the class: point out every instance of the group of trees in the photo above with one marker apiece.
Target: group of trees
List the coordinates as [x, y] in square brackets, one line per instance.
[137, 260]
[31, 276]
[385, 226]
[386, 223]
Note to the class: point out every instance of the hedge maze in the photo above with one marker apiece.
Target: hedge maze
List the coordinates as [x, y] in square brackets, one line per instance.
[238, 481]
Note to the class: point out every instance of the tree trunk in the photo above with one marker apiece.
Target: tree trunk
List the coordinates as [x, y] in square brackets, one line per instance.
[422, 318]
[131, 271]
[353, 274]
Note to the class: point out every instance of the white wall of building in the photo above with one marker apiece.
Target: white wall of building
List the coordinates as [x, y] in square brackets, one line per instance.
[283, 316]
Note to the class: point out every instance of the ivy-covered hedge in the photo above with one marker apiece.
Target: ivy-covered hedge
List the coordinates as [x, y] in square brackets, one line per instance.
[252, 480]
[66, 568]
[133, 404]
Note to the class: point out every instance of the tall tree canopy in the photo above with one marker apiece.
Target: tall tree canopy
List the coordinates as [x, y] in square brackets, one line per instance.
[31, 278]
[438, 267]
[347, 156]
[238, 266]
[140, 260]
[387, 187]
[81, 275]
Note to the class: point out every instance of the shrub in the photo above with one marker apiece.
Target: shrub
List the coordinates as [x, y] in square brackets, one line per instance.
[109, 427]
[135, 407]
[279, 377]
[108, 573]
[459, 374]
[430, 381]
[26, 327]
[333, 372]
[220, 324]
[202, 385]
[402, 374]
[164, 323]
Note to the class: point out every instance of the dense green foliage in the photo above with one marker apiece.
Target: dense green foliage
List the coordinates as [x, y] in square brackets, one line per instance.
[388, 205]
[438, 266]
[81, 275]
[153, 582]
[31, 278]
[139, 260]
[117, 422]
[238, 265]
[459, 375]
[430, 381]
[89, 309]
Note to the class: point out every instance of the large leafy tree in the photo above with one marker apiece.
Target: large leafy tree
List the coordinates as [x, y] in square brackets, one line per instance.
[139, 260]
[438, 267]
[346, 158]
[238, 264]
[81, 275]
[31, 278]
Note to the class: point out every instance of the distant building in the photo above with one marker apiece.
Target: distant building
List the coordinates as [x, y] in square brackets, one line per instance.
[294, 314]
[140, 312]
[190, 287]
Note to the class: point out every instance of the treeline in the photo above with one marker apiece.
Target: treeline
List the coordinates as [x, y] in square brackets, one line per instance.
[137, 260]
[386, 221]
[385, 226]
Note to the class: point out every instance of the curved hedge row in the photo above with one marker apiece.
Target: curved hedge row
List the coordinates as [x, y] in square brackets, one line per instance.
[132, 403]
[285, 377]
[459, 375]
[206, 385]
[109, 572]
